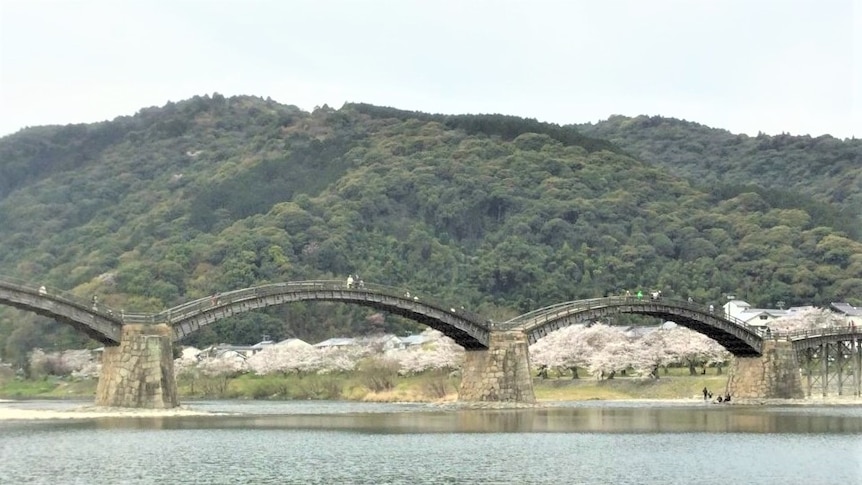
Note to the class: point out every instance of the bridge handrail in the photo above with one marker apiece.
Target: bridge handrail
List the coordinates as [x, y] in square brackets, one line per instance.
[52, 293]
[227, 298]
[529, 315]
[806, 333]
[545, 314]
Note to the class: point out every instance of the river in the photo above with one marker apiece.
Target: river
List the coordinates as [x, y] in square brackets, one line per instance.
[356, 443]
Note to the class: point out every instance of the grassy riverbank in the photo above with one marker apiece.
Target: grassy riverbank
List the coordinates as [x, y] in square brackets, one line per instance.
[429, 387]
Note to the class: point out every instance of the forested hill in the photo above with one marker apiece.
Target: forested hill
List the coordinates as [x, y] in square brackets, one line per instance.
[827, 169]
[497, 213]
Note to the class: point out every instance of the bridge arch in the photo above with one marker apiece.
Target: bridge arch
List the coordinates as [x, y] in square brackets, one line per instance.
[738, 338]
[98, 323]
[468, 329]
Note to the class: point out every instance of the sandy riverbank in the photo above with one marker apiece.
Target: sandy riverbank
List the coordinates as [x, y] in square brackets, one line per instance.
[8, 411]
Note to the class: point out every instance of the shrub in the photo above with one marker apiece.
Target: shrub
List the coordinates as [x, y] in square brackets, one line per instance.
[378, 375]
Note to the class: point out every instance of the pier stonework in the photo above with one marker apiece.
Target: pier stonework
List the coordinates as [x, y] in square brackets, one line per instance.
[501, 373]
[774, 375]
[139, 372]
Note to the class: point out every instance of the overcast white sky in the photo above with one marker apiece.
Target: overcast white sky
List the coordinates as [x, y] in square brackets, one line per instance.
[743, 65]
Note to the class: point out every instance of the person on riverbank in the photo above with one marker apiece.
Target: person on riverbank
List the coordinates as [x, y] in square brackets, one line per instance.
[705, 393]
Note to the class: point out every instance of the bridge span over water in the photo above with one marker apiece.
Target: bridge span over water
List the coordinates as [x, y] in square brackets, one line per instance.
[467, 328]
[494, 348]
[739, 338]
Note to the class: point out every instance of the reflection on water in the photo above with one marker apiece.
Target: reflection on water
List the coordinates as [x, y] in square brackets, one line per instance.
[573, 418]
[329, 442]
[561, 420]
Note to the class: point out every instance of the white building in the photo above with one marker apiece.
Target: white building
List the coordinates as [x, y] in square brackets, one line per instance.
[757, 317]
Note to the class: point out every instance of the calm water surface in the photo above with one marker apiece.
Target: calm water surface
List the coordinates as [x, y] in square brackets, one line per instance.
[331, 443]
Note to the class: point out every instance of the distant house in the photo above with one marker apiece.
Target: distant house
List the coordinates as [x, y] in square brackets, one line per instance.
[261, 345]
[381, 342]
[337, 342]
[222, 351]
[757, 317]
[293, 343]
[849, 312]
[415, 339]
[232, 352]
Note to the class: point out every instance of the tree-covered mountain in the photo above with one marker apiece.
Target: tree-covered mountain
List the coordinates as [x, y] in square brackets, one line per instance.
[496, 213]
[778, 168]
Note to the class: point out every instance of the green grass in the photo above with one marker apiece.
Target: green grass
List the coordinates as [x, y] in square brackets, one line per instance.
[669, 387]
[49, 387]
[676, 384]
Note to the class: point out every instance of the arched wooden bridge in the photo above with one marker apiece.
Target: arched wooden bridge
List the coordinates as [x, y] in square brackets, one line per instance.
[467, 328]
[739, 338]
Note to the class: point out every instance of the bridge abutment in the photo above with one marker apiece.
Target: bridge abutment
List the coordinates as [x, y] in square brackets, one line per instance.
[773, 375]
[139, 372]
[501, 373]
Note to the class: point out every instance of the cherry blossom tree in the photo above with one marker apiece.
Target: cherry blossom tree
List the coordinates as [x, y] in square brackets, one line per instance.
[602, 349]
[605, 350]
[227, 364]
[687, 347]
[612, 353]
[565, 348]
[806, 318]
[77, 363]
[438, 352]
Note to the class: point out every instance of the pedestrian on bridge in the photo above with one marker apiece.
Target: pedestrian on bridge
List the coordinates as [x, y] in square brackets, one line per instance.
[640, 295]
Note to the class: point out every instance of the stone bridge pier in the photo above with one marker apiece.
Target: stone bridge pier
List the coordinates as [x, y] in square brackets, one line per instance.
[501, 373]
[139, 372]
[773, 375]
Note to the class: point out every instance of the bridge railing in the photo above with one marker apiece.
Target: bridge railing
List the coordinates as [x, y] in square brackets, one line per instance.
[553, 312]
[194, 307]
[66, 297]
[548, 310]
[817, 332]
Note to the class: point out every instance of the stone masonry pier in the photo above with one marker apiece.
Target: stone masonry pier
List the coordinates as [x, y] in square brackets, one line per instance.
[139, 372]
[774, 375]
[501, 373]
